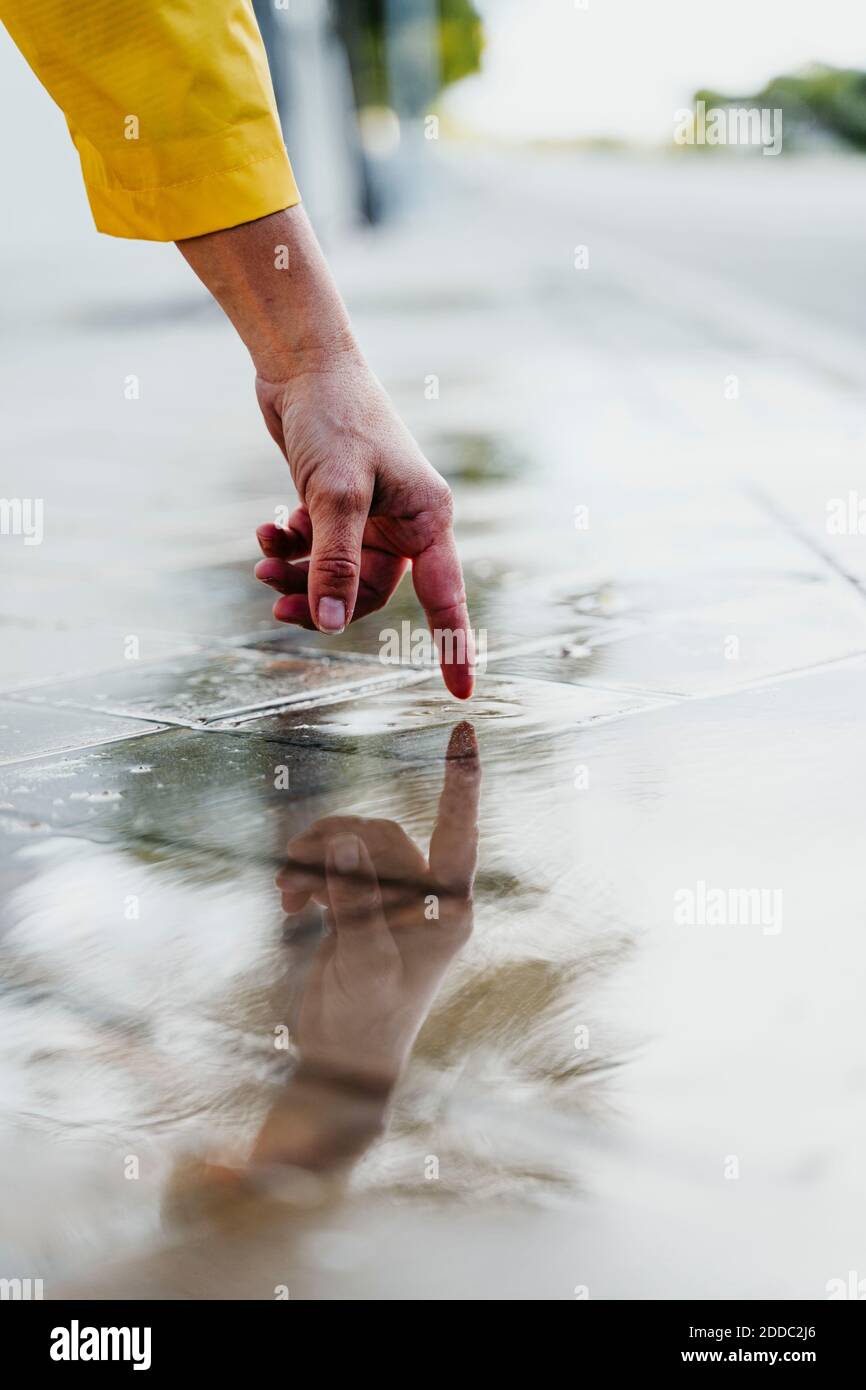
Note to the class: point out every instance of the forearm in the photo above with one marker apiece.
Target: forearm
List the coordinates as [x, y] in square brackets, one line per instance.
[321, 1123]
[273, 282]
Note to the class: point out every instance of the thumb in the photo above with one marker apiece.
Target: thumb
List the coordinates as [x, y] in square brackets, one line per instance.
[339, 515]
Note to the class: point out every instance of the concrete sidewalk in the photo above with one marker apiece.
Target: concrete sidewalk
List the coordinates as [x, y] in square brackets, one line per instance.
[672, 709]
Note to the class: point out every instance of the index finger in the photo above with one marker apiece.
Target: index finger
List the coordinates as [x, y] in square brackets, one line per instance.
[438, 580]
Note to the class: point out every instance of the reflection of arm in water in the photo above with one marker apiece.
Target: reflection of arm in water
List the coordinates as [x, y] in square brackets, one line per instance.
[365, 989]
[394, 921]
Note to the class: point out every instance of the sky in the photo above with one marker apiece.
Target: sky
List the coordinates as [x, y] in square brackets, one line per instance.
[623, 67]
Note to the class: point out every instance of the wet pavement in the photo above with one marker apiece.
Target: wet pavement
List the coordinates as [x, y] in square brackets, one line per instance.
[315, 983]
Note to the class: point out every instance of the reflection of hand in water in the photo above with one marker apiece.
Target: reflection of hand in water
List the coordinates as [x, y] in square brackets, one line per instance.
[395, 920]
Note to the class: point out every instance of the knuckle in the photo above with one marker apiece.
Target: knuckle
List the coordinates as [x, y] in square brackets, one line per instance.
[452, 604]
[452, 610]
[444, 499]
[433, 497]
[337, 568]
[343, 495]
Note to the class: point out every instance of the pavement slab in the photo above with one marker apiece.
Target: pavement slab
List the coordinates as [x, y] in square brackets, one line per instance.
[214, 685]
[751, 632]
[29, 731]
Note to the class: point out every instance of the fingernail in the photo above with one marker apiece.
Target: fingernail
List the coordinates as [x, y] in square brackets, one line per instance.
[346, 854]
[332, 614]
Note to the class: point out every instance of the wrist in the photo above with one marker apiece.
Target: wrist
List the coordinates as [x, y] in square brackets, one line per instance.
[280, 358]
[274, 284]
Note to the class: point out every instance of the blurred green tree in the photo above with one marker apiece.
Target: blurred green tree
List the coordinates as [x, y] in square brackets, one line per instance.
[820, 101]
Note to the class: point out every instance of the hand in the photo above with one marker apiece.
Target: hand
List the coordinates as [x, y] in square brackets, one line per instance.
[370, 504]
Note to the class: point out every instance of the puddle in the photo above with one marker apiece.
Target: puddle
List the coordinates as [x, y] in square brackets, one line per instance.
[225, 1027]
[429, 988]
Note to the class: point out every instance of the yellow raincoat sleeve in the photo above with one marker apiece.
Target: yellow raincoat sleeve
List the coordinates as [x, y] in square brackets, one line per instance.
[170, 105]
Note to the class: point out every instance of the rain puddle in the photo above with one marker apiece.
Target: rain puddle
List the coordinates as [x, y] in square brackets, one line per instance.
[327, 998]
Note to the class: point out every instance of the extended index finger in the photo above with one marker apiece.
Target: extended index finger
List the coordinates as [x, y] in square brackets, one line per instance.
[438, 579]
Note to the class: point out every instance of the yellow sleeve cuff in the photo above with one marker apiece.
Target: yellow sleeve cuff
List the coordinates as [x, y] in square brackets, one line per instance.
[170, 105]
[208, 202]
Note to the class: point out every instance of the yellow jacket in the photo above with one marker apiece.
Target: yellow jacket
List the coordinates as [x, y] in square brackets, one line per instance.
[170, 105]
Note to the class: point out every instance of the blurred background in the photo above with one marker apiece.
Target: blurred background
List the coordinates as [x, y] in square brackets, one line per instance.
[356, 80]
